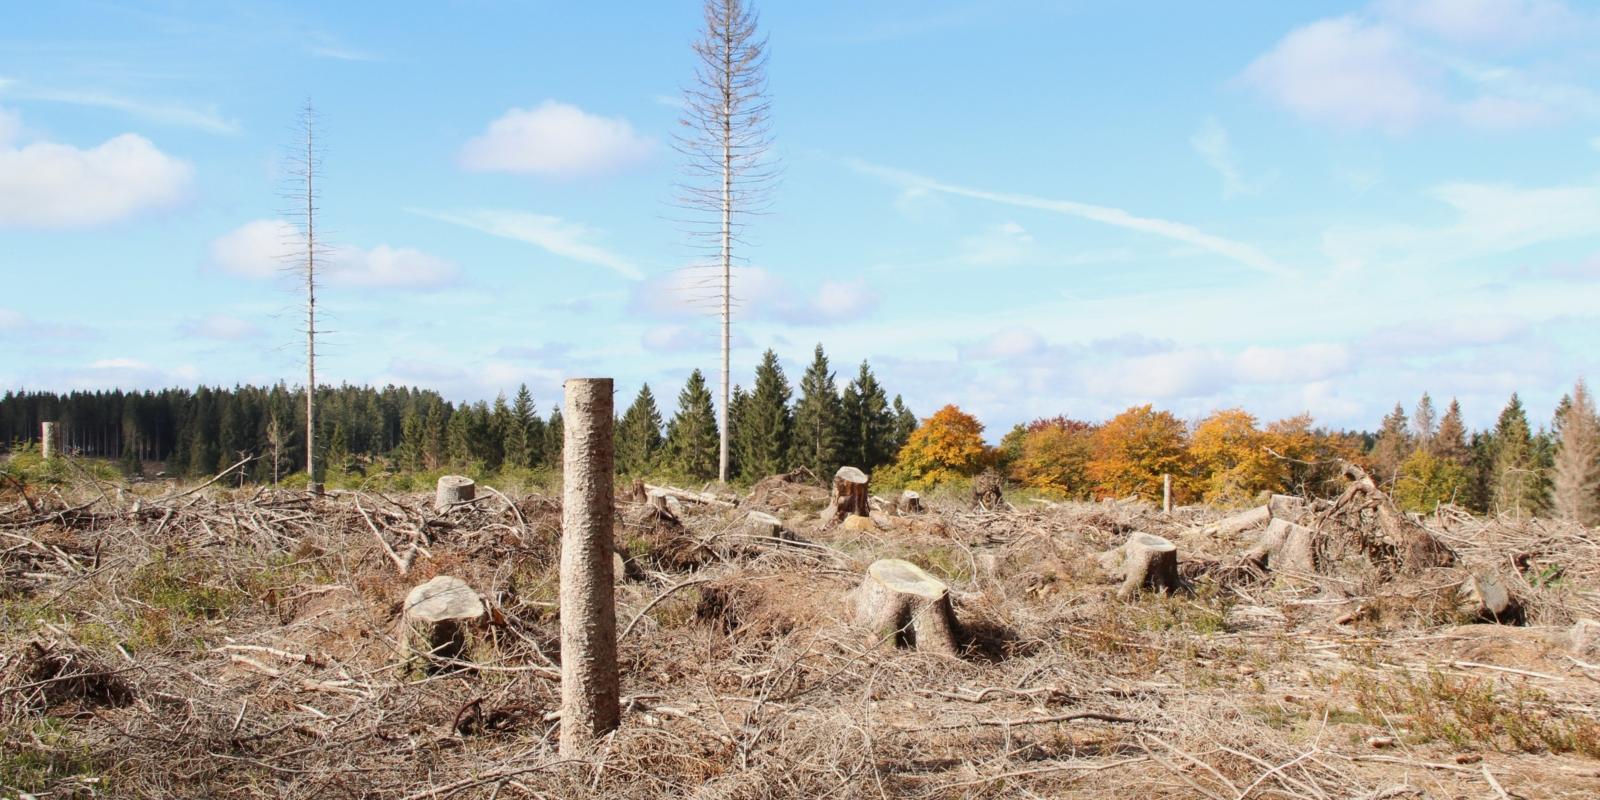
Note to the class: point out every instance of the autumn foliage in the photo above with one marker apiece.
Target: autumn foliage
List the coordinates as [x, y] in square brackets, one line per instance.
[1137, 447]
[945, 448]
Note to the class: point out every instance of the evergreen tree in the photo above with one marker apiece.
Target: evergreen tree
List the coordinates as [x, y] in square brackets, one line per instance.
[818, 420]
[553, 438]
[436, 436]
[1392, 446]
[738, 410]
[638, 436]
[412, 442]
[766, 432]
[524, 442]
[1450, 441]
[904, 423]
[497, 429]
[692, 434]
[1517, 484]
[458, 437]
[1576, 492]
[1424, 422]
[869, 424]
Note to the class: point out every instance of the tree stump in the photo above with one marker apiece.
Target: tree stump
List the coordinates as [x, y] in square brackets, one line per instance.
[453, 490]
[763, 524]
[898, 599]
[1143, 562]
[1484, 598]
[47, 440]
[849, 497]
[910, 502]
[1284, 547]
[986, 489]
[435, 619]
[590, 693]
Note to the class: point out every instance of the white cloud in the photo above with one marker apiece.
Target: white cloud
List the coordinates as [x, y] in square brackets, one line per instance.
[838, 301]
[219, 326]
[1005, 344]
[679, 338]
[566, 239]
[50, 185]
[266, 248]
[555, 139]
[1006, 243]
[1238, 252]
[205, 119]
[10, 126]
[759, 294]
[1349, 72]
[1211, 142]
[1503, 113]
[1496, 22]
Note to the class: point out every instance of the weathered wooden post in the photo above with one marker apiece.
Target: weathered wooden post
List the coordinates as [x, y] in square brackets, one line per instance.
[590, 702]
[47, 439]
[1166, 493]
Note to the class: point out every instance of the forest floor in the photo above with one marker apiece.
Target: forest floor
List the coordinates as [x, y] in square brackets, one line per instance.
[244, 644]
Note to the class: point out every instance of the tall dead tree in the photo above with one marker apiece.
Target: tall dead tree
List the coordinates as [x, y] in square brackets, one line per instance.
[304, 162]
[726, 141]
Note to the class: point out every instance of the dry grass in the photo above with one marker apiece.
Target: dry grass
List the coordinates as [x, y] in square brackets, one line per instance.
[242, 645]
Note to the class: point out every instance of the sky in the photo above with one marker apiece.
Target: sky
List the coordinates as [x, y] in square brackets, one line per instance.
[1023, 208]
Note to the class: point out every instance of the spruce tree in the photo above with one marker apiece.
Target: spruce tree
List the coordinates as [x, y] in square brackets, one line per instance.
[458, 437]
[1576, 491]
[818, 420]
[766, 433]
[497, 429]
[408, 455]
[553, 438]
[692, 434]
[1424, 423]
[738, 409]
[1450, 441]
[904, 423]
[1517, 483]
[638, 436]
[525, 437]
[1392, 446]
[869, 424]
[436, 436]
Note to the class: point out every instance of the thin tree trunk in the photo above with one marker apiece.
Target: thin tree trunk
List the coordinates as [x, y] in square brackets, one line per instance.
[590, 700]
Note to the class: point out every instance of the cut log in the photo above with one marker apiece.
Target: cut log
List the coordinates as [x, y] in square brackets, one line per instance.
[1485, 598]
[899, 601]
[763, 524]
[910, 502]
[452, 491]
[1239, 523]
[849, 497]
[1143, 562]
[435, 620]
[1286, 507]
[687, 496]
[1284, 547]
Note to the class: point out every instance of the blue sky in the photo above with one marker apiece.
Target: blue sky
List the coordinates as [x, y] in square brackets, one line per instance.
[1024, 208]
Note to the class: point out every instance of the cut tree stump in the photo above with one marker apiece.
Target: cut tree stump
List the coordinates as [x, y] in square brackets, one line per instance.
[1284, 547]
[1485, 598]
[453, 490]
[849, 497]
[761, 523]
[898, 600]
[435, 619]
[910, 502]
[1416, 547]
[1143, 562]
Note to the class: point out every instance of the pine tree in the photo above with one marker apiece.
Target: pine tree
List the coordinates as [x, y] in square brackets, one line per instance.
[767, 431]
[1424, 422]
[524, 442]
[1392, 446]
[818, 420]
[738, 411]
[1450, 441]
[412, 441]
[436, 436]
[692, 434]
[498, 428]
[1576, 492]
[869, 424]
[458, 437]
[553, 438]
[639, 435]
[904, 423]
[1517, 484]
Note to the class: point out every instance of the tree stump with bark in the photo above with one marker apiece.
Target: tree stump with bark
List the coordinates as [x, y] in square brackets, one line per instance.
[1143, 562]
[590, 693]
[987, 489]
[910, 502]
[1284, 547]
[453, 490]
[47, 440]
[898, 600]
[434, 621]
[1484, 597]
[849, 497]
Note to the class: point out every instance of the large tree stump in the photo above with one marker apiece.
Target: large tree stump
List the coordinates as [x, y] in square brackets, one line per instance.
[434, 621]
[1484, 597]
[47, 439]
[910, 503]
[849, 497]
[452, 490]
[1284, 547]
[590, 697]
[898, 600]
[1143, 562]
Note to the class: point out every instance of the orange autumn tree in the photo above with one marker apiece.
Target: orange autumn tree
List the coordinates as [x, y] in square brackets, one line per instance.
[1312, 457]
[1232, 460]
[947, 446]
[1137, 447]
[1054, 458]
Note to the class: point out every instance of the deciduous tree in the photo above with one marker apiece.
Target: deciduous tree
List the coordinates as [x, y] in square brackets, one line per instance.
[947, 446]
[1137, 447]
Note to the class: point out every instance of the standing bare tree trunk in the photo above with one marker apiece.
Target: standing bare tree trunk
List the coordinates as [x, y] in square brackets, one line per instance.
[305, 160]
[726, 142]
[47, 440]
[589, 686]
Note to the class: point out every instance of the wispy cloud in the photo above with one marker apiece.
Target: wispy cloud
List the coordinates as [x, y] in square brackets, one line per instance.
[1239, 252]
[1212, 143]
[566, 239]
[325, 45]
[206, 119]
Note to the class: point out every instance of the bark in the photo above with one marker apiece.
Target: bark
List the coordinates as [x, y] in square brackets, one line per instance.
[1284, 547]
[910, 502]
[763, 524]
[435, 619]
[1239, 523]
[1485, 598]
[1166, 494]
[1416, 548]
[897, 600]
[47, 439]
[589, 686]
[849, 497]
[1143, 562]
[453, 490]
[986, 490]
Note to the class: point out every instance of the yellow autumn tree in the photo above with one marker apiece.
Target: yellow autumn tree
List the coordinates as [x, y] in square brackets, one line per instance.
[947, 446]
[1312, 458]
[1232, 459]
[1137, 447]
[1054, 458]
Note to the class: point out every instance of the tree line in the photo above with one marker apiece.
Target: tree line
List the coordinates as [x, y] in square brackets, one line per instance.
[361, 429]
